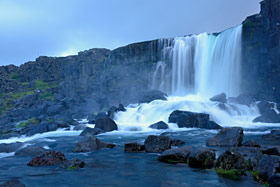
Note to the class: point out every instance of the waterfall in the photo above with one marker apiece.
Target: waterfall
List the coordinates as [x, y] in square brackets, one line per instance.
[200, 64]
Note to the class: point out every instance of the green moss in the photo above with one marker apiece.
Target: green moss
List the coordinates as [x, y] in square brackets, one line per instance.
[33, 121]
[100, 60]
[256, 175]
[51, 120]
[14, 76]
[175, 161]
[249, 23]
[19, 95]
[233, 173]
[72, 168]
[47, 95]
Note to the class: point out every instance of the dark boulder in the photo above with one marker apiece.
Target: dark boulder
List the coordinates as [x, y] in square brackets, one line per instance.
[40, 128]
[222, 98]
[267, 166]
[73, 164]
[159, 125]
[272, 151]
[91, 118]
[106, 124]
[251, 155]
[245, 99]
[269, 116]
[231, 161]
[227, 137]
[134, 147]
[12, 183]
[177, 155]
[55, 109]
[80, 127]
[121, 108]
[274, 180]
[49, 158]
[202, 158]
[101, 115]
[274, 135]
[91, 131]
[152, 95]
[31, 151]
[251, 143]
[157, 144]
[10, 147]
[176, 142]
[111, 111]
[264, 106]
[192, 120]
[91, 144]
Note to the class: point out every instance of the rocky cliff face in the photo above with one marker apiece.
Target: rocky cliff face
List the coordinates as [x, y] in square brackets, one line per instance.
[261, 51]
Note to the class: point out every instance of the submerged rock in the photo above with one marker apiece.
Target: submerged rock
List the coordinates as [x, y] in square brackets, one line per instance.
[91, 144]
[202, 158]
[232, 136]
[274, 135]
[134, 147]
[73, 164]
[49, 158]
[10, 147]
[177, 142]
[12, 183]
[159, 125]
[192, 120]
[91, 131]
[251, 143]
[157, 144]
[31, 151]
[222, 98]
[106, 124]
[177, 155]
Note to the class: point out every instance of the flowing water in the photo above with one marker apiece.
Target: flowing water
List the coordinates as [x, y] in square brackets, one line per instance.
[191, 70]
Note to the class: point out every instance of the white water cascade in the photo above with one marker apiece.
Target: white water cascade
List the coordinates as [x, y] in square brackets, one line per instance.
[191, 70]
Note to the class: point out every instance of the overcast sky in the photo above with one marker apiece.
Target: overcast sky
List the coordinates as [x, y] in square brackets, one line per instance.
[32, 28]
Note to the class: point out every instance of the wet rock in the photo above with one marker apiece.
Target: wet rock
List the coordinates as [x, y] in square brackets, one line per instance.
[91, 131]
[251, 143]
[251, 155]
[49, 158]
[121, 108]
[264, 106]
[269, 116]
[91, 144]
[152, 95]
[159, 125]
[177, 155]
[134, 147]
[176, 142]
[227, 137]
[10, 147]
[212, 125]
[272, 151]
[274, 180]
[222, 98]
[202, 158]
[267, 166]
[31, 151]
[245, 99]
[106, 124]
[157, 144]
[12, 183]
[37, 129]
[80, 127]
[274, 135]
[231, 161]
[112, 111]
[91, 118]
[101, 115]
[73, 164]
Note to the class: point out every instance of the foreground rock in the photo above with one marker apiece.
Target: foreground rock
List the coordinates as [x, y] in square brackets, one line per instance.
[222, 98]
[268, 166]
[106, 124]
[91, 131]
[159, 125]
[134, 147]
[157, 144]
[274, 135]
[231, 164]
[91, 144]
[202, 158]
[10, 147]
[31, 151]
[272, 151]
[152, 95]
[227, 137]
[177, 155]
[12, 183]
[192, 120]
[274, 180]
[49, 158]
